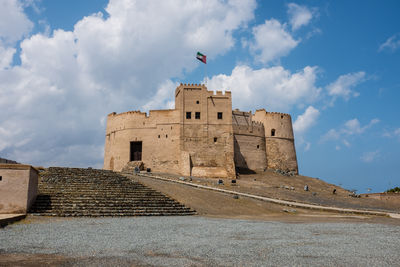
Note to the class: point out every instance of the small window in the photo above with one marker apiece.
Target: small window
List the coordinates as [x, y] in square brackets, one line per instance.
[197, 102]
[188, 115]
[273, 132]
[158, 136]
[281, 116]
[258, 146]
[215, 139]
[1, 178]
[197, 115]
[166, 136]
[219, 115]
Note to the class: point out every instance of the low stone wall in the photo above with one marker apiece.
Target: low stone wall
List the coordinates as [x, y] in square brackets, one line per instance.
[18, 187]
[388, 197]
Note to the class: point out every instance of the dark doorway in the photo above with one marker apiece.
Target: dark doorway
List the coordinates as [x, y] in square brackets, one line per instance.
[136, 151]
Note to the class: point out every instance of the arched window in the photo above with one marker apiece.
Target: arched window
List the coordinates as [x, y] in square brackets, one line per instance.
[273, 132]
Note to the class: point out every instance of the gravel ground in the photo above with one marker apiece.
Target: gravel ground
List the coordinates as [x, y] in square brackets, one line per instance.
[199, 241]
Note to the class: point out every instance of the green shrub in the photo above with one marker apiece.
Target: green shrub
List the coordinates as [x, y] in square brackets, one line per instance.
[394, 190]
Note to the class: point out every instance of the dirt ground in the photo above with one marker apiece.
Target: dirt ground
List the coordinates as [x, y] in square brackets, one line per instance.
[219, 205]
[274, 185]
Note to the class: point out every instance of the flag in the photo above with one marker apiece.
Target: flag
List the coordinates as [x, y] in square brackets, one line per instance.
[201, 57]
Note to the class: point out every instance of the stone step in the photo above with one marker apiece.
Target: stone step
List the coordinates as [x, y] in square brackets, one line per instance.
[101, 195]
[106, 203]
[111, 209]
[91, 186]
[94, 197]
[88, 192]
[110, 190]
[115, 214]
[106, 209]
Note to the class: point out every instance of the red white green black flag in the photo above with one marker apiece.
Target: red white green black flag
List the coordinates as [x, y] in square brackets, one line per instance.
[201, 57]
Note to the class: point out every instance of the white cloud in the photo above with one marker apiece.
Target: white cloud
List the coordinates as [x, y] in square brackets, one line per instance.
[349, 128]
[307, 146]
[6, 57]
[164, 98]
[369, 157]
[299, 15]
[68, 81]
[14, 24]
[275, 88]
[306, 120]
[346, 143]
[332, 134]
[392, 134]
[353, 126]
[391, 44]
[343, 86]
[271, 41]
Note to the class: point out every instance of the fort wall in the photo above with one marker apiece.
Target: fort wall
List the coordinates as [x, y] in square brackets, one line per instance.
[202, 136]
[206, 137]
[18, 187]
[249, 142]
[158, 132]
[279, 139]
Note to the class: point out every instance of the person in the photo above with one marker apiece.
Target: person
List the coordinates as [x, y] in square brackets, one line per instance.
[306, 188]
[334, 191]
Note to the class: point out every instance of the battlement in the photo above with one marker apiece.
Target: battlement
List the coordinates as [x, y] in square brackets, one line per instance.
[279, 113]
[192, 84]
[132, 112]
[262, 110]
[201, 135]
[221, 93]
[241, 113]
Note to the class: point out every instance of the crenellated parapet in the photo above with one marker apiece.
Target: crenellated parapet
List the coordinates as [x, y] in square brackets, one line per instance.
[280, 148]
[242, 123]
[139, 120]
[277, 124]
[221, 93]
[201, 136]
[192, 85]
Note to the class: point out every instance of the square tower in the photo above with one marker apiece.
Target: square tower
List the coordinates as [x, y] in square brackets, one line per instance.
[206, 130]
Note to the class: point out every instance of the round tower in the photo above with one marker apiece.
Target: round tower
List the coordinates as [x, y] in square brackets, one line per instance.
[279, 140]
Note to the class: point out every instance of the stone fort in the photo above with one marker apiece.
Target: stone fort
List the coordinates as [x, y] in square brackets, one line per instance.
[202, 136]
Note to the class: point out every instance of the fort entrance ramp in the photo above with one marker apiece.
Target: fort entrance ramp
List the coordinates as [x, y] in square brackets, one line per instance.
[91, 192]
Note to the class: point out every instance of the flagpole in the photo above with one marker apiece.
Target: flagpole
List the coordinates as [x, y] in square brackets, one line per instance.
[205, 73]
[203, 58]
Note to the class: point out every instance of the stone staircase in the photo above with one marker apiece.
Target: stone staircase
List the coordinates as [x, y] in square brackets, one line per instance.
[90, 192]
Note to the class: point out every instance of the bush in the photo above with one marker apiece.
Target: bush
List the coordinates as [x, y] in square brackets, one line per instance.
[394, 190]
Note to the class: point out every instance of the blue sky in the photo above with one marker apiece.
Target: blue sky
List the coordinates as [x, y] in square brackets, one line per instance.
[333, 65]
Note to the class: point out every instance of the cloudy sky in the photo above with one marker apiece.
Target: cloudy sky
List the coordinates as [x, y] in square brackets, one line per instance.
[333, 65]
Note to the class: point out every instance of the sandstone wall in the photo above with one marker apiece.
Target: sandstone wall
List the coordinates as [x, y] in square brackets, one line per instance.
[18, 187]
[249, 142]
[158, 132]
[207, 139]
[202, 136]
[280, 148]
